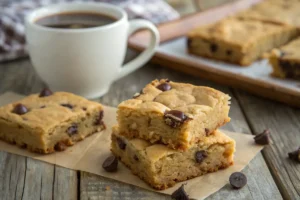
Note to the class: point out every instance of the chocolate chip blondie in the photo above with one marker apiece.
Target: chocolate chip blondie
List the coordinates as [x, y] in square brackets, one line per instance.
[161, 167]
[49, 122]
[176, 114]
[286, 60]
[276, 11]
[236, 40]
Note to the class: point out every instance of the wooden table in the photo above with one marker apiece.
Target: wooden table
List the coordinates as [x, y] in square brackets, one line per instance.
[270, 174]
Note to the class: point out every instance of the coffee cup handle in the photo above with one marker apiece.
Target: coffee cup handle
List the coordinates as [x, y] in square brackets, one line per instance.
[138, 62]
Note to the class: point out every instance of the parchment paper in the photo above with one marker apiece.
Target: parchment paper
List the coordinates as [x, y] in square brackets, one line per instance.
[89, 154]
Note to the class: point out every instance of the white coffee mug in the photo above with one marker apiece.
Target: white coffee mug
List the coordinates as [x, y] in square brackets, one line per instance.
[84, 61]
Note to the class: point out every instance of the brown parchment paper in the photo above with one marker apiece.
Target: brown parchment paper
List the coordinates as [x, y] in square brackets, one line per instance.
[89, 154]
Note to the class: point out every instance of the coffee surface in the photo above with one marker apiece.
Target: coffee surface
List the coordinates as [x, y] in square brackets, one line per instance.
[75, 20]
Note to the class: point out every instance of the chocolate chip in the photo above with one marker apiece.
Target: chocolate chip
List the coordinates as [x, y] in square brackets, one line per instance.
[167, 80]
[23, 146]
[213, 47]
[228, 52]
[164, 87]
[45, 92]
[207, 131]
[43, 107]
[135, 158]
[200, 156]
[20, 109]
[121, 143]
[99, 118]
[67, 105]
[84, 108]
[72, 130]
[237, 180]
[180, 194]
[110, 164]
[295, 155]
[263, 138]
[60, 146]
[174, 118]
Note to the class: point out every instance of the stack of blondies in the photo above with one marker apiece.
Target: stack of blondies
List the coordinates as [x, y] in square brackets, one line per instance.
[168, 132]
[255, 32]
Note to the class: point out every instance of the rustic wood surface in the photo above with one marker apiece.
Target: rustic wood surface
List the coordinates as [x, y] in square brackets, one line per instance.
[270, 174]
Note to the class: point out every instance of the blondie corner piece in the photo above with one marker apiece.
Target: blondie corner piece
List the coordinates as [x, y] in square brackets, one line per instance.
[49, 122]
[286, 60]
[240, 41]
[176, 114]
[161, 167]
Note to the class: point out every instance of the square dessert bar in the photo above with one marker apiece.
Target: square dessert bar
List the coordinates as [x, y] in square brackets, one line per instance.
[49, 122]
[176, 114]
[161, 167]
[276, 11]
[286, 60]
[240, 41]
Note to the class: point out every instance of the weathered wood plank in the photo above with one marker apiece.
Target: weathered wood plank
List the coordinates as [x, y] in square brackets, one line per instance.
[284, 124]
[261, 184]
[25, 178]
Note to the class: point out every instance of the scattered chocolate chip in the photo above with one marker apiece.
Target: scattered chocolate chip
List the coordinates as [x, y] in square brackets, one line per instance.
[67, 105]
[43, 107]
[45, 92]
[180, 194]
[295, 155]
[135, 158]
[20, 109]
[121, 143]
[207, 131]
[60, 146]
[263, 138]
[200, 156]
[99, 118]
[84, 108]
[228, 52]
[213, 47]
[110, 164]
[174, 118]
[167, 80]
[237, 180]
[164, 87]
[72, 130]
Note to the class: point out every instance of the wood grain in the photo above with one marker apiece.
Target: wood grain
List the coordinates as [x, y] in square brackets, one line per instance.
[284, 124]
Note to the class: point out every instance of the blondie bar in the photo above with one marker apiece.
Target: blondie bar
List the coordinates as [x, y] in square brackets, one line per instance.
[240, 41]
[49, 122]
[276, 11]
[175, 114]
[286, 60]
[161, 167]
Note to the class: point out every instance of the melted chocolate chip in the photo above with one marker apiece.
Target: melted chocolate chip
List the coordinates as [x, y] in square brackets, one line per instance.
[110, 164]
[20, 109]
[295, 155]
[213, 47]
[164, 87]
[99, 118]
[84, 108]
[121, 143]
[67, 105]
[228, 52]
[237, 180]
[180, 194]
[135, 158]
[60, 146]
[45, 92]
[72, 130]
[174, 118]
[200, 156]
[263, 138]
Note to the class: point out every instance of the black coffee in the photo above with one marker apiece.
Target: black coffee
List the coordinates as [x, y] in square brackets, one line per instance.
[75, 20]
